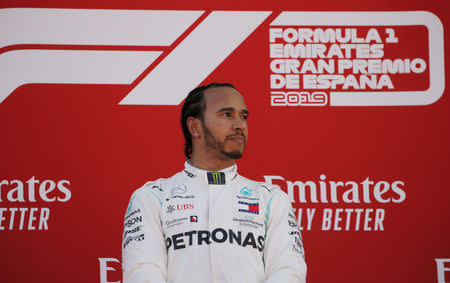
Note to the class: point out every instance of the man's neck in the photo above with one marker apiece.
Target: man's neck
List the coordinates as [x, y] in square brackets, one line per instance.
[210, 164]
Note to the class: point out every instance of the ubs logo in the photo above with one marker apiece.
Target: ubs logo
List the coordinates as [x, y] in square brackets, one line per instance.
[185, 206]
[170, 209]
[182, 206]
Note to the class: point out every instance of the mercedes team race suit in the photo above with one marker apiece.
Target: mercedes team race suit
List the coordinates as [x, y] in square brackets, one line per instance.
[199, 226]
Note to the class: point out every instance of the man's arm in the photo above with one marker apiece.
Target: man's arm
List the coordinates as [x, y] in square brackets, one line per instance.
[144, 253]
[283, 253]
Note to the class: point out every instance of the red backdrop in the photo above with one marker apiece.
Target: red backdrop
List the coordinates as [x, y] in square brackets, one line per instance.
[95, 152]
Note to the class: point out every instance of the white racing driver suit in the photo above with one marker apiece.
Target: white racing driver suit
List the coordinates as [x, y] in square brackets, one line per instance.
[199, 226]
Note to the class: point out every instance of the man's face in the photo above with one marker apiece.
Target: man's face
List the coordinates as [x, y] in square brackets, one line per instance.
[225, 122]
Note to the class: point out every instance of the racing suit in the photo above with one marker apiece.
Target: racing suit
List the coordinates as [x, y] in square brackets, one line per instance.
[200, 226]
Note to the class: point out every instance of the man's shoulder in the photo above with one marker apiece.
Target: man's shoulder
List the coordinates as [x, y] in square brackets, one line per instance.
[157, 187]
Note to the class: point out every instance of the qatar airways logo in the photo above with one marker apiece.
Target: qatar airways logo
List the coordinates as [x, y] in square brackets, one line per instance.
[186, 46]
[352, 205]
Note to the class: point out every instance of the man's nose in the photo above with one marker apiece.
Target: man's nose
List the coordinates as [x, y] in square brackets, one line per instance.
[239, 124]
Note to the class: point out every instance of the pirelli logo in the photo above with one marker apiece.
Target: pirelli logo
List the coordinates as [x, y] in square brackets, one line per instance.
[216, 178]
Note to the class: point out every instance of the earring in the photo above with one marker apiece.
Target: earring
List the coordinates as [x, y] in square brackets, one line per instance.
[195, 134]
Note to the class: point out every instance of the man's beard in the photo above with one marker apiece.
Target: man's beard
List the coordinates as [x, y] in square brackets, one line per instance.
[212, 143]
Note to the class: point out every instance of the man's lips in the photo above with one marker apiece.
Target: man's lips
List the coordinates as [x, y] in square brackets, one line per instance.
[237, 138]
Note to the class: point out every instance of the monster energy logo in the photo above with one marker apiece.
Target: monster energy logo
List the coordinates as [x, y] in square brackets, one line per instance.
[216, 178]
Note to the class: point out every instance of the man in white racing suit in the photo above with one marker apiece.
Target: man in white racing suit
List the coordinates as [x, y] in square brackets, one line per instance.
[207, 223]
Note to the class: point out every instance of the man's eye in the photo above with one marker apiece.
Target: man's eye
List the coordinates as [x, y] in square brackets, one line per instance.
[245, 117]
[227, 114]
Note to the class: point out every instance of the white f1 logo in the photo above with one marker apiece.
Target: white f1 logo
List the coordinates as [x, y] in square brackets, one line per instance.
[207, 39]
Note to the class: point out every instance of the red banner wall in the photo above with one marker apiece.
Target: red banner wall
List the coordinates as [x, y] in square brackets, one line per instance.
[349, 116]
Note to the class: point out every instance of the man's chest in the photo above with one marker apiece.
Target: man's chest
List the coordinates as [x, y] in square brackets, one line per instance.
[194, 215]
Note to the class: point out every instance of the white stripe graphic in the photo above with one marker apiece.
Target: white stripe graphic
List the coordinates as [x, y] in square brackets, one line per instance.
[93, 27]
[182, 70]
[71, 67]
[195, 58]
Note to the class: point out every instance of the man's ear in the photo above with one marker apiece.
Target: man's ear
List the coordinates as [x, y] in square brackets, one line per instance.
[194, 126]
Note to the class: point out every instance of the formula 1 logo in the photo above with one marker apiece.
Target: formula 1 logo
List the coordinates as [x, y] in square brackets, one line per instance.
[187, 46]
[180, 39]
